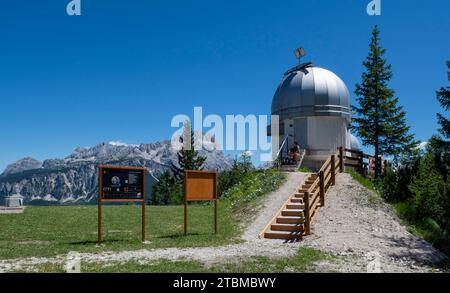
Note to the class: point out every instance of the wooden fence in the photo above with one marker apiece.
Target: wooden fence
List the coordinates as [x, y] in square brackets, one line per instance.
[362, 163]
[314, 195]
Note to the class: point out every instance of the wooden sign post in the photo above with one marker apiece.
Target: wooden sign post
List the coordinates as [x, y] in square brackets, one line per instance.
[200, 186]
[120, 184]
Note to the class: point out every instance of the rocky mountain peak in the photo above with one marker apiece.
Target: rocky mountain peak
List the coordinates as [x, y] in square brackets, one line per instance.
[73, 179]
[22, 165]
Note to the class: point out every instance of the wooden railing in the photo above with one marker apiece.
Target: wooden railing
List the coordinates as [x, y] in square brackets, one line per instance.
[363, 163]
[314, 197]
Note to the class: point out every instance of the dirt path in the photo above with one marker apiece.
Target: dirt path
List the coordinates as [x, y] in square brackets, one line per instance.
[364, 232]
[356, 222]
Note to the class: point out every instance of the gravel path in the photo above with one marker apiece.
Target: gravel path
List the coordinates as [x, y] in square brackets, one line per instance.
[353, 224]
[356, 222]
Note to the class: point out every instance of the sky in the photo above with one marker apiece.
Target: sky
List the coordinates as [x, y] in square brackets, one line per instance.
[123, 69]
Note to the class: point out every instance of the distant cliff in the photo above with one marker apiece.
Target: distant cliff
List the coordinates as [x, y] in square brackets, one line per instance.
[74, 178]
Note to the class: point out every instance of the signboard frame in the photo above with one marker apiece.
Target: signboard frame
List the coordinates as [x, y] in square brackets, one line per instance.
[191, 196]
[102, 200]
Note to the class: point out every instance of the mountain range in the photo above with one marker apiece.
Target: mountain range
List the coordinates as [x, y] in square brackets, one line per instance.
[73, 179]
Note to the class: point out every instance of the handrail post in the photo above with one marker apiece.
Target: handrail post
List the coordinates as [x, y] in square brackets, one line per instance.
[306, 214]
[341, 160]
[333, 170]
[322, 188]
[361, 163]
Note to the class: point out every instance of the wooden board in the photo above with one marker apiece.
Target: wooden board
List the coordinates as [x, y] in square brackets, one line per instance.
[121, 183]
[200, 186]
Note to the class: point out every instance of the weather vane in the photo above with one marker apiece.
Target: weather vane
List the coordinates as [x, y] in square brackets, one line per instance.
[299, 53]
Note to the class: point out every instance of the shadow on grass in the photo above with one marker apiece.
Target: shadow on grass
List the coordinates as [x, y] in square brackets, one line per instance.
[106, 241]
[181, 235]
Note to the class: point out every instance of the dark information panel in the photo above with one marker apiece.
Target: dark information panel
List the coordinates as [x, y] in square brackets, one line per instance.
[122, 184]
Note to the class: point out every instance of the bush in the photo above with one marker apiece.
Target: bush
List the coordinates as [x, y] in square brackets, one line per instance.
[406, 211]
[366, 182]
[430, 193]
[168, 191]
[252, 186]
[241, 168]
[393, 184]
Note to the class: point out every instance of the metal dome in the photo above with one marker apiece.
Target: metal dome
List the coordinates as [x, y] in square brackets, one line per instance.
[354, 143]
[307, 90]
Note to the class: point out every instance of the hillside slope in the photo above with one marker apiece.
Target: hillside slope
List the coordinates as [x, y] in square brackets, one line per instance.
[356, 222]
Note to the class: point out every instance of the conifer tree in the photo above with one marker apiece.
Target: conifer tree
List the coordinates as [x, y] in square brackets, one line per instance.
[379, 121]
[443, 96]
[188, 157]
[439, 144]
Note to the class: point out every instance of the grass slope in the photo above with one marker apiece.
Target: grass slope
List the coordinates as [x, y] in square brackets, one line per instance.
[50, 230]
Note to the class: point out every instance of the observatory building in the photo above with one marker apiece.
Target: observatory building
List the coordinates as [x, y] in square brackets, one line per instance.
[313, 105]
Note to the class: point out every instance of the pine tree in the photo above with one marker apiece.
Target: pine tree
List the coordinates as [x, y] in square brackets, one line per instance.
[439, 144]
[380, 122]
[443, 96]
[188, 157]
[167, 190]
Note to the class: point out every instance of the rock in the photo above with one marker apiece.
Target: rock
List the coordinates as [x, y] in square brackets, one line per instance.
[74, 178]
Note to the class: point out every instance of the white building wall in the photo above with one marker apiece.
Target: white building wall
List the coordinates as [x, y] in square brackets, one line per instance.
[321, 136]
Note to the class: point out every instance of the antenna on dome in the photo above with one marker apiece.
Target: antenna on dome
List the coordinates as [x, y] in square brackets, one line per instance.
[299, 53]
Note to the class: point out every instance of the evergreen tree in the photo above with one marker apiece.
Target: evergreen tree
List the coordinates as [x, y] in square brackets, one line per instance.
[167, 190]
[443, 96]
[188, 157]
[439, 144]
[380, 122]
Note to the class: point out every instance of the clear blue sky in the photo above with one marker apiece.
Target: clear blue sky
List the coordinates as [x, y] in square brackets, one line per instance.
[124, 68]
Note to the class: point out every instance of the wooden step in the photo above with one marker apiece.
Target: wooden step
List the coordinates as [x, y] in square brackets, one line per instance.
[283, 235]
[292, 213]
[296, 200]
[299, 195]
[290, 220]
[287, 227]
[295, 206]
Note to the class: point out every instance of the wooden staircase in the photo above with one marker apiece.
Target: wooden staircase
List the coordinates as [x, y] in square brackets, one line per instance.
[296, 166]
[294, 218]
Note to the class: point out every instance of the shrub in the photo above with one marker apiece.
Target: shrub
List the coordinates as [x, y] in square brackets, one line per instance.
[393, 184]
[254, 185]
[167, 191]
[241, 168]
[430, 192]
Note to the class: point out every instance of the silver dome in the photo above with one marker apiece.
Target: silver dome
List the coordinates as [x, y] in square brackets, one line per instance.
[354, 143]
[311, 91]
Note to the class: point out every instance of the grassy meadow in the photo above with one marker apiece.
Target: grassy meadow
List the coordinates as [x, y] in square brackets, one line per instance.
[55, 230]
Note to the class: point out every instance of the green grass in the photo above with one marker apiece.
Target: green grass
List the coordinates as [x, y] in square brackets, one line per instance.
[249, 191]
[427, 229]
[54, 230]
[305, 170]
[303, 261]
[366, 182]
